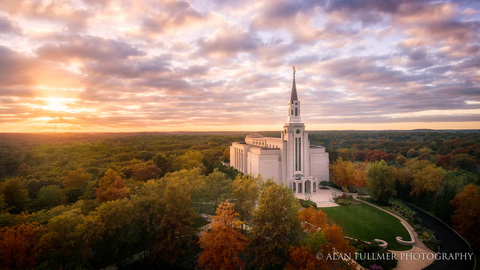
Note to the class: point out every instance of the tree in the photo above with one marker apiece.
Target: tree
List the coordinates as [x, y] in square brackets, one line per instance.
[222, 244]
[321, 239]
[163, 163]
[176, 234]
[62, 240]
[190, 160]
[217, 186]
[50, 196]
[361, 174]
[380, 182]
[19, 246]
[77, 179]
[15, 194]
[111, 187]
[275, 227]
[343, 173]
[466, 218]
[429, 180]
[401, 160]
[245, 190]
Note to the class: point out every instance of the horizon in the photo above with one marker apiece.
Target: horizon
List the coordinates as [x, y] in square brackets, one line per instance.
[193, 66]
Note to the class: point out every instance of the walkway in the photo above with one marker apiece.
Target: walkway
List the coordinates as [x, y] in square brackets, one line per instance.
[418, 257]
[322, 198]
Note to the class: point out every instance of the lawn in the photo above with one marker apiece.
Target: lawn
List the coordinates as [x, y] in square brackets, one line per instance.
[365, 222]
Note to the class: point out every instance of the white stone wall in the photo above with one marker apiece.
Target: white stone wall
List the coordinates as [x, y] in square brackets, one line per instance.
[319, 164]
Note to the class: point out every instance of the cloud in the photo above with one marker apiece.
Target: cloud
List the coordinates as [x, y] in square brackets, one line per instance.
[88, 47]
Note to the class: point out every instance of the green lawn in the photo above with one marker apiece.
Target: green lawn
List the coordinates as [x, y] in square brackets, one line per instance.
[365, 222]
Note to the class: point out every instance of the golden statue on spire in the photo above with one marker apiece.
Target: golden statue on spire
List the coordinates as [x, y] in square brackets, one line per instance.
[293, 70]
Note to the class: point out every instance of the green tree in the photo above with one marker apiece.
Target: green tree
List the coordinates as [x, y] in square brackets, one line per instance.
[50, 196]
[380, 182]
[62, 240]
[275, 227]
[245, 190]
[15, 194]
[217, 186]
[163, 163]
[190, 160]
[176, 235]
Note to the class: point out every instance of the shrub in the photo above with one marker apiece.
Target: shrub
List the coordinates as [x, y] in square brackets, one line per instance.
[344, 202]
[307, 203]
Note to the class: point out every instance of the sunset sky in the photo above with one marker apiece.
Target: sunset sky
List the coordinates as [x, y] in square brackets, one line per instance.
[100, 65]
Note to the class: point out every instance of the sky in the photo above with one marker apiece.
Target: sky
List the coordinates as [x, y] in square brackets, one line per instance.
[223, 65]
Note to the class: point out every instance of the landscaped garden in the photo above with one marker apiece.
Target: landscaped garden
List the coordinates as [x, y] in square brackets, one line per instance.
[365, 222]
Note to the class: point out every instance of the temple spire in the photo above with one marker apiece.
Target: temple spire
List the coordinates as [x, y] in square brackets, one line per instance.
[294, 88]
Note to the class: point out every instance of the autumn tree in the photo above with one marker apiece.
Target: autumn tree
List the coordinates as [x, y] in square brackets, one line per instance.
[466, 218]
[428, 180]
[361, 174]
[223, 242]
[111, 187]
[77, 179]
[19, 246]
[321, 239]
[401, 160]
[275, 227]
[245, 190]
[380, 182]
[343, 173]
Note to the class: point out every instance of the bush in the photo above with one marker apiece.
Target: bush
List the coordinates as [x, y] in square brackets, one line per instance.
[344, 202]
[307, 203]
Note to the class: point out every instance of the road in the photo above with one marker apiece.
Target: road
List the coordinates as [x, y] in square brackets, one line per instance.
[450, 243]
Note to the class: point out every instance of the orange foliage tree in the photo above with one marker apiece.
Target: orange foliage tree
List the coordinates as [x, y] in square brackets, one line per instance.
[361, 174]
[76, 179]
[466, 218]
[343, 173]
[322, 240]
[111, 187]
[19, 246]
[223, 242]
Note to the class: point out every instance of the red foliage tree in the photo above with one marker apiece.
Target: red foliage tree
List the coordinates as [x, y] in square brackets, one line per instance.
[19, 246]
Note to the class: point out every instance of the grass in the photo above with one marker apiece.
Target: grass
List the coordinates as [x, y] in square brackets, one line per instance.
[365, 222]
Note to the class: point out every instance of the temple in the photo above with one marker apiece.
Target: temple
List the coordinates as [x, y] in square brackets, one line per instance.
[290, 159]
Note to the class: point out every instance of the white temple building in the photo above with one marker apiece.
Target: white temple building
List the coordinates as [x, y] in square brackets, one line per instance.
[289, 160]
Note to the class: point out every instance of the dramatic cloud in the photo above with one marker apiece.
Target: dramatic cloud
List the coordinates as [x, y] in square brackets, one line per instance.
[144, 65]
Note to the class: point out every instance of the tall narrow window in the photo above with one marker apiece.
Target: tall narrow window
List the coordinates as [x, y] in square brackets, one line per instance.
[296, 111]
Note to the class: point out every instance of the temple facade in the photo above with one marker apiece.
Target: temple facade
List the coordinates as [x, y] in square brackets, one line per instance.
[290, 159]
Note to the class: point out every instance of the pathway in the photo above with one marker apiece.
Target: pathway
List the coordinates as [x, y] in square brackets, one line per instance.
[322, 198]
[418, 257]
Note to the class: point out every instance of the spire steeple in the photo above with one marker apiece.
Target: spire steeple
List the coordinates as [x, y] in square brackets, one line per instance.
[294, 104]
[294, 88]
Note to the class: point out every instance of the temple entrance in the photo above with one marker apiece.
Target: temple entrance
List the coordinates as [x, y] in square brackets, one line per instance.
[308, 187]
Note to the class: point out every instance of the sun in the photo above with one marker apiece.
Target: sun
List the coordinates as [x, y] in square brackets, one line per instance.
[56, 104]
